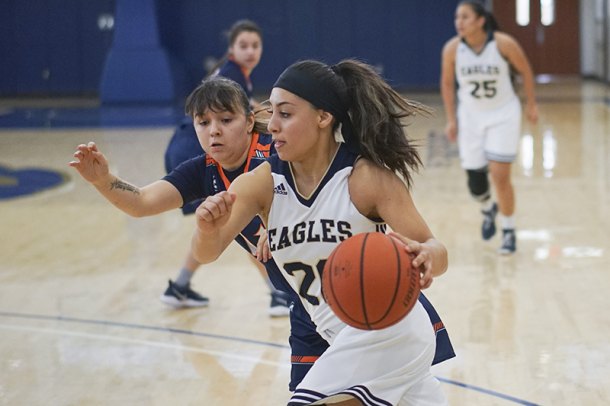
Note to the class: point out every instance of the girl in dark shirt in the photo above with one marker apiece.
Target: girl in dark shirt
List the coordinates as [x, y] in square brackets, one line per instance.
[243, 55]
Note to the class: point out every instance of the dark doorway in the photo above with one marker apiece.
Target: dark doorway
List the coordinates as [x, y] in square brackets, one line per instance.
[552, 47]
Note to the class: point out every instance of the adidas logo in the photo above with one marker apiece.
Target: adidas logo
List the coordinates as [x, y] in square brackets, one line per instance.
[280, 190]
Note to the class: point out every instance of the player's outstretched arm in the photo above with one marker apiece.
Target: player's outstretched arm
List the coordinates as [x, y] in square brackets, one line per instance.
[155, 198]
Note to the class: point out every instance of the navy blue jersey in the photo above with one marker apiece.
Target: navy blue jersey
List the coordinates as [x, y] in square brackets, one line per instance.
[202, 176]
[184, 144]
[233, 71]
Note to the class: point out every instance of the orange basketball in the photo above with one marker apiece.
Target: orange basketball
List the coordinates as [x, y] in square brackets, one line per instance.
[368, 281]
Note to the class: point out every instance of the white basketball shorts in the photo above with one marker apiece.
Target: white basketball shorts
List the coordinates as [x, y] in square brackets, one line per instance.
[489, 135]
[383, 367]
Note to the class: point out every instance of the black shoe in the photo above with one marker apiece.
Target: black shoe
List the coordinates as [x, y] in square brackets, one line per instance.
[488, 229]
[177, 296]
[509, 242]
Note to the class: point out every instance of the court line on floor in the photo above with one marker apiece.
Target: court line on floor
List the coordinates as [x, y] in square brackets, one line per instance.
[149, 343]
[142, 327]
[195, 349]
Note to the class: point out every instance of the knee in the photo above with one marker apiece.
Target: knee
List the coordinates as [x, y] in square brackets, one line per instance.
[478, 184]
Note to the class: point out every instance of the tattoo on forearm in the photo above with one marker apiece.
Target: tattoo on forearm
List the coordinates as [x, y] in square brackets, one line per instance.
[119, 184]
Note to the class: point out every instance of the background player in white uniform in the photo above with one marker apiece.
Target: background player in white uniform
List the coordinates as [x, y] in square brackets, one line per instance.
[488, 120]
[319, 192]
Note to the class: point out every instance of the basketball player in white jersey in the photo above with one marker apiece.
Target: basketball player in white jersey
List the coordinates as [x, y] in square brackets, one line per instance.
[317, 193]
[487, 121]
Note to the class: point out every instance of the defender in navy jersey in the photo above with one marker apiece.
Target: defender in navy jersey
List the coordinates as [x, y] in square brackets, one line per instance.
[487, 119]
[232, 145]
[242, 56]
[317, 191]
[203, 176]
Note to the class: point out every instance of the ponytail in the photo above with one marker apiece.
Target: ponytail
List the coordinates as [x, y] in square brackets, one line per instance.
[367, 110]
[378, 114]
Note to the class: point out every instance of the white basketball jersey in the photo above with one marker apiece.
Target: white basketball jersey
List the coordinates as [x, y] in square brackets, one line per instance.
[484, 81]
[303, 231]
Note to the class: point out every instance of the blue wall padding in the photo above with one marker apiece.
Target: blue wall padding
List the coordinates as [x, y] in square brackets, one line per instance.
[154, 51]
[137, 69]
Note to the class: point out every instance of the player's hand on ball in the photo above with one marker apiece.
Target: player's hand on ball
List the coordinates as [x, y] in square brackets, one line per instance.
[214, 212]
[421, 256]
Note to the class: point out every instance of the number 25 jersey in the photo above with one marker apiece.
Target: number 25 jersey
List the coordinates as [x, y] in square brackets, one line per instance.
[484, 78]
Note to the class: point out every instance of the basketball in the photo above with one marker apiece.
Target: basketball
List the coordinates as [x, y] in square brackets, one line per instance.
[368, 281]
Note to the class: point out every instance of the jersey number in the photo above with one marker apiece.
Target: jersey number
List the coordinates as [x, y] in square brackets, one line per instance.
[486, 88]
[310, 276]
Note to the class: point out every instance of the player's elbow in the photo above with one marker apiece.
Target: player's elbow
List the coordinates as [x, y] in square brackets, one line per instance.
[129, 209]
[135, 212]
[446, 86]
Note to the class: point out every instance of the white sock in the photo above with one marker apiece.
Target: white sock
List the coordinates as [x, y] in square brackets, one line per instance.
[507, 222]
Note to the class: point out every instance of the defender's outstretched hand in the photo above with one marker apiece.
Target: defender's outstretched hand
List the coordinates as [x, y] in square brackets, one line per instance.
[90, 163]
[214, 212]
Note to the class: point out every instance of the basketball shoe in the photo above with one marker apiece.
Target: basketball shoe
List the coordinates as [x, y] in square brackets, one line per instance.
[509, 242]
[280, 304]
[178, 296]
[488, 229]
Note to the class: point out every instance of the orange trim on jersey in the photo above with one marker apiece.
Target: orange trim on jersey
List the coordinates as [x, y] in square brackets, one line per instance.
[303, 359]
[254, 146]
[438, 326]
[264, 149]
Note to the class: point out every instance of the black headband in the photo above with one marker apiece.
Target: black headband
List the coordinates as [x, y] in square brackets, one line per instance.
[306, 86]
[322, 96]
